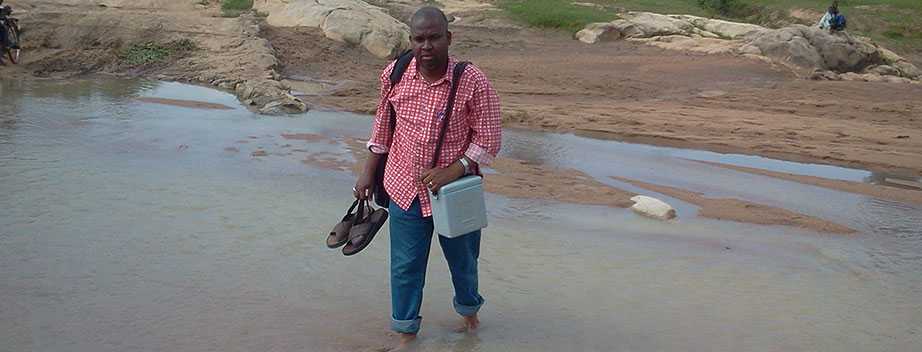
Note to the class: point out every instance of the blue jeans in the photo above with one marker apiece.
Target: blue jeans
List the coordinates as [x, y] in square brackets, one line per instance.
[3, 43]
[411, 236]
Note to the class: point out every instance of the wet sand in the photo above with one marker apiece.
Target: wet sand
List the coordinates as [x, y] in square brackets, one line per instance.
[521, 179]
[185, 103]
[743, 211]
[877, 191]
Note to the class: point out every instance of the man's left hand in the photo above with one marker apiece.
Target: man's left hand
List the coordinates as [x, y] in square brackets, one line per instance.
[435, 178]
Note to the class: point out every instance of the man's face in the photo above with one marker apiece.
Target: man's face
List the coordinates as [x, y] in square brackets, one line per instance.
[430, 41]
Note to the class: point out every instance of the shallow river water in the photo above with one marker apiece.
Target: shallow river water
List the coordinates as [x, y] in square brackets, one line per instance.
[128, 225]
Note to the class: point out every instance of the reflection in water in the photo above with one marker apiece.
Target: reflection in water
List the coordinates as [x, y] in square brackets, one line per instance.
[131, 226]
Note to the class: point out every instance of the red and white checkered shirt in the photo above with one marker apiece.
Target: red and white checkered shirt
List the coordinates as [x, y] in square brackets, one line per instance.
[474, 129]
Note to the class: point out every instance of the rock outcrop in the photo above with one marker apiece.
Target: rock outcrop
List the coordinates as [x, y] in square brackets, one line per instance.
[350, 21]
[806, 49]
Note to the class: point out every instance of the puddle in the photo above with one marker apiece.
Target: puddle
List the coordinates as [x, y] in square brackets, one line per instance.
[136, 226]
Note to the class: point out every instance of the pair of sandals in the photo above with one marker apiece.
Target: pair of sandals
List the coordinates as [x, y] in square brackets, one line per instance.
[358, 228]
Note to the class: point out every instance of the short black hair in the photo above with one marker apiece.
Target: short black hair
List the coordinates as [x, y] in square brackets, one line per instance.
[429, 13]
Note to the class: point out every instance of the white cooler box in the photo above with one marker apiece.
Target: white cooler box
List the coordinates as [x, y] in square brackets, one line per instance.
[459, 208]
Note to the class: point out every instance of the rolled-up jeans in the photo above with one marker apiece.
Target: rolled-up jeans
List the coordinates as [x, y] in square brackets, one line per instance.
[411, 236]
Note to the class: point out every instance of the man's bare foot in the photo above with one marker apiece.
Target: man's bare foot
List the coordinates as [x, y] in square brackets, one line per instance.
[406, 340]
[469, 324]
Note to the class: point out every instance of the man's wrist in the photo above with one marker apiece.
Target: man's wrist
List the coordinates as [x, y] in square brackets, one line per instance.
[466, 165]
[459, 168]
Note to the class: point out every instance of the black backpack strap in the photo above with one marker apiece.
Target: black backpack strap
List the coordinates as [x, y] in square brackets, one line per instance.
[400, 66]
[455, 81]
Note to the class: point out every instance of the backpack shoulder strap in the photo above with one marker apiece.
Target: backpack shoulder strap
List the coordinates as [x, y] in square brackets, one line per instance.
[456, 74]
[400, 66]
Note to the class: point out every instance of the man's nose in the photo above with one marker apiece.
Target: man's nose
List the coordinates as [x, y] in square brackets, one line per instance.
[427, 44]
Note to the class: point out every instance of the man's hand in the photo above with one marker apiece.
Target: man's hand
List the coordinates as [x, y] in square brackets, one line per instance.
[434, 179]
[365, 185]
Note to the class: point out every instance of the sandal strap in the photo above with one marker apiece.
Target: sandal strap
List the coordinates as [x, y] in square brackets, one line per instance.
[359, 213]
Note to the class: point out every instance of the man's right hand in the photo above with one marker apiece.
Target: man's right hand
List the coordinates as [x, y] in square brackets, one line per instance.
[364, 186]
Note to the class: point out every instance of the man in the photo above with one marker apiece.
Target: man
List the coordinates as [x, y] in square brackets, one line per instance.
[472, 139]
[833, 20]
[5, 10]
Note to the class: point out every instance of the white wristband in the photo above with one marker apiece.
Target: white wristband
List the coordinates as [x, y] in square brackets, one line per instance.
[466, 164]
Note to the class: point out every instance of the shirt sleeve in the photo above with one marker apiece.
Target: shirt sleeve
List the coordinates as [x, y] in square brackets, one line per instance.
[485, 121]
[824, 22]
[380, 140]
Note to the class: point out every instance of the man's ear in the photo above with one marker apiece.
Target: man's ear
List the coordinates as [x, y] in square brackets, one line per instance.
[449, 37]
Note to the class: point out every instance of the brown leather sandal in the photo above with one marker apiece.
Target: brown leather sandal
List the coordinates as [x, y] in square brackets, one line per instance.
[340, 234]
[365, 228]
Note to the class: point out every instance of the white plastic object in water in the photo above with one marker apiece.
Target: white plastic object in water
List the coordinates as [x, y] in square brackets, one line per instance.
[652, 207]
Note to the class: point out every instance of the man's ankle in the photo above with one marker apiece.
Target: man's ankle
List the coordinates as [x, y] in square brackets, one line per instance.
[406, 339]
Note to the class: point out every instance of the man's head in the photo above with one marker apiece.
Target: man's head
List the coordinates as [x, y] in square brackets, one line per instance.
[430, 37]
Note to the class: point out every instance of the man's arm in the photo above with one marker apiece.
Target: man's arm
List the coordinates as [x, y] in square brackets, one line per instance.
[486, 124]
[380, 140]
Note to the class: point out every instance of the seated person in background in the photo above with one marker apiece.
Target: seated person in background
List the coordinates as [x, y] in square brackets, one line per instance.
[833, 20]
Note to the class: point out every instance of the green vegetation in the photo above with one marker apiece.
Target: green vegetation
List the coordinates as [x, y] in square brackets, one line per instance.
[233, 8]
[151, 52]
[893, 23]
[556, 14]
[723, 7]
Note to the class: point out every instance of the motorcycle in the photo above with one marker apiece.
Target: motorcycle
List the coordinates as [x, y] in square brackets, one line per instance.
[11, 27]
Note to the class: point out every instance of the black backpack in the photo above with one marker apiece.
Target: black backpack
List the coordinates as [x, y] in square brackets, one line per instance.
[400, 67]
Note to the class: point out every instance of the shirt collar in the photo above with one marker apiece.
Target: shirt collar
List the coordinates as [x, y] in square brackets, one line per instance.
[446, 78]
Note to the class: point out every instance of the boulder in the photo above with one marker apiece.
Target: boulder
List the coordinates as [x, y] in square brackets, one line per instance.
[908, 70]
[883, 70]
[721, 28]
[816, 48]
[596, 32]
[824, 75]
[350, 21]
[851, 76]
[708, 46]
[652, 207]
[269, 97]
[646, 25]
[894, 79]
[796, 46]
[788, 44]
[889, 57]
[903, 67]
